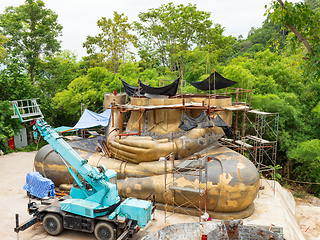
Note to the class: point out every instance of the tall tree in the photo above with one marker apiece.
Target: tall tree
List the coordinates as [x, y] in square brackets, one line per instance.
[56, 72]
[111, 46]
[2, 49]
[313, 4]
[87, 89]
[172, 31]
[54, 75]
[269, 35]
[307, 162]
[32, 31]
[305, 24]
[8, 126]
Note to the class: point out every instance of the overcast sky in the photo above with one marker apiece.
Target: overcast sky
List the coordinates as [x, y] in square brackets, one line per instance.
[79, 17]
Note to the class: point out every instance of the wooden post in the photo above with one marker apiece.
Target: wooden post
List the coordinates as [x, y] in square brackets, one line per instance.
[214, 81]
[112, 113]
[206, 177]
[200, 171]
[82, 110]
[181, 83]
[241, 88]
[120, 128]
[236, 119]
[139, 121]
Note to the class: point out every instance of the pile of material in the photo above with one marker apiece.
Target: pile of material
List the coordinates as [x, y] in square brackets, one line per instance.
[213, 231]
[38, 186]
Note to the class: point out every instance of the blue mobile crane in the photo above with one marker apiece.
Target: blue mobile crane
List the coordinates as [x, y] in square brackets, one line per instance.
[93, 205]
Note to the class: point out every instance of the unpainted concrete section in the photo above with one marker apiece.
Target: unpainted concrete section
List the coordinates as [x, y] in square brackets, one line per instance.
[226, 230]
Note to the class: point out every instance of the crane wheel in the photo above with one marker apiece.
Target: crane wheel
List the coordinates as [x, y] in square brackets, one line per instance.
[52, 223]
[104, 231]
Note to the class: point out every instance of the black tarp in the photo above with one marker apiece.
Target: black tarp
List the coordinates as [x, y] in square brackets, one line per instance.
[169, 90]
[130, 90]
[202, 121]
[187, 123]
[219, 83]
[218, 122]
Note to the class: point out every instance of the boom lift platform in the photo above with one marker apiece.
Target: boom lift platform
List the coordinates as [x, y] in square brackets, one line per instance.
[94, 204]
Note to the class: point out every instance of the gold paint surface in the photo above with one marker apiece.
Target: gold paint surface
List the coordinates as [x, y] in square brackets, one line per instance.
[162, 125]
[233, 181]
[230, 193]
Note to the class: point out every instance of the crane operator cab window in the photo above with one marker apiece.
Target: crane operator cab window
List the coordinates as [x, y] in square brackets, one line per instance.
[87, 186]
[113, 180]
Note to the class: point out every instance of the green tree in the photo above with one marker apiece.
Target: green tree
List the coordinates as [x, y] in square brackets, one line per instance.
[309, 102]
[270, 35]
[8, 126]
[32, 31]
[54, 75]
[313, 4]
[56, 72]
[267, 72]
[277, 85]
[15, 84]
[87, 89]
[305, 24]
[169, 32]
[306, 159]
[112, 46]
[2, 49]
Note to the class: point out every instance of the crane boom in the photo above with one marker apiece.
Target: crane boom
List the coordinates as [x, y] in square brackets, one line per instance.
[93, 194]
[94, 204]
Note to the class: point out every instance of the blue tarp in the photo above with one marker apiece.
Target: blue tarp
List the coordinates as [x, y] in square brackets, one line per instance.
[39, 186]
[91, 119]
[64, 129]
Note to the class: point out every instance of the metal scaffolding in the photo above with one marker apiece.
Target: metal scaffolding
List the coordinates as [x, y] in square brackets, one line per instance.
[26, 109]
[174, 171]
[255, 136]
[264, 142]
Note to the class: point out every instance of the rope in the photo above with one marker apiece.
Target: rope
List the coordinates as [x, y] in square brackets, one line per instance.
[136, 121]
[300, 181]
[99, 160]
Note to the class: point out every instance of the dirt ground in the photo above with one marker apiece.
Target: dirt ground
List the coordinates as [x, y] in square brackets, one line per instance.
[308, 218]
[13, 199]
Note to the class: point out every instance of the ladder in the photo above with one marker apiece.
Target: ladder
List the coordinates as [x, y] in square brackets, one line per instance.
[26, 109]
